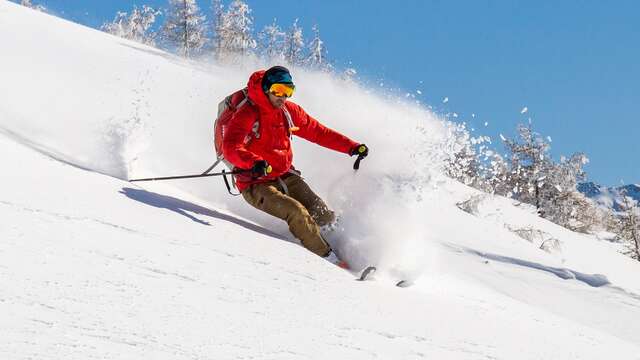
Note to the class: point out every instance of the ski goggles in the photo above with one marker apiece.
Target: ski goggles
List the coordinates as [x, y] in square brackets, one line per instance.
[282, 90]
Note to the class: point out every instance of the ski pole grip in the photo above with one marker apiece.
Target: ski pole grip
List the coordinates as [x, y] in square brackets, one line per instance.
[356, 165]
[362, 152]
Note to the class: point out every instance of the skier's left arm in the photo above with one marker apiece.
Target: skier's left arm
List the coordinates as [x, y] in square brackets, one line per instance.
[312, 130]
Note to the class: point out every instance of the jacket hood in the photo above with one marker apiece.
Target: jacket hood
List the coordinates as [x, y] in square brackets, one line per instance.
[256, 95]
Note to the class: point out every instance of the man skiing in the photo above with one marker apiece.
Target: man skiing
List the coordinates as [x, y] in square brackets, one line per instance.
[258, 139]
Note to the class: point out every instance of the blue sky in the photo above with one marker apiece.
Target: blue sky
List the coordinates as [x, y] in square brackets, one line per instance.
[574, 64]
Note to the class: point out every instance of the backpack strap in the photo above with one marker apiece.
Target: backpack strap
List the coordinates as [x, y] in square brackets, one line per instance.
[256, 125]
[292, 126]
[245, 98]
[245, 92]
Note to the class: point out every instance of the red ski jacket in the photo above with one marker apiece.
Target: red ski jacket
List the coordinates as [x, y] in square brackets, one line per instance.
[271, 140]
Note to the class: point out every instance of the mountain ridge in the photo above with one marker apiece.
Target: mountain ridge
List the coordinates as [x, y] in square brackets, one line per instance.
[610, 197]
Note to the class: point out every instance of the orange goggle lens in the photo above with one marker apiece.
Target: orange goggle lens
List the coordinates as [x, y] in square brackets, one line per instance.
[282, 90]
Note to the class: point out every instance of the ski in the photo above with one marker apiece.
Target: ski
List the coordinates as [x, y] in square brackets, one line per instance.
[404, 283]
[368, 274]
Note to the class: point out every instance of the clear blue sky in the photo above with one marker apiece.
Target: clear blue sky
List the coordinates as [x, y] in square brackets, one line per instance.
[574, 64]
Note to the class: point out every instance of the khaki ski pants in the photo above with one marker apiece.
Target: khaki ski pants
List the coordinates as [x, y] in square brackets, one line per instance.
[296, 204]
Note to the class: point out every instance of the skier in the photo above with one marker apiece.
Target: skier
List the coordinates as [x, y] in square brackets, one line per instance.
[258, 139]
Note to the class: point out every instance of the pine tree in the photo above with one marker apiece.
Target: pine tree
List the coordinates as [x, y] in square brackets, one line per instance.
[235, 32]
[184, 28]
[294, 45]
[272, 42]
[135, 26]
[317, 55]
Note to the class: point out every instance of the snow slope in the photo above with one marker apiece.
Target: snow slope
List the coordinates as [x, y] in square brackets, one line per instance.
[92, 266]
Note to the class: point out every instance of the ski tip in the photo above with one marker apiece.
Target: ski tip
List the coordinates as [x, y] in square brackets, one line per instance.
[367, 272]
[404, 283]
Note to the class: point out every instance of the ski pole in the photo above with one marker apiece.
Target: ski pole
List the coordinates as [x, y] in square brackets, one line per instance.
[223, 173]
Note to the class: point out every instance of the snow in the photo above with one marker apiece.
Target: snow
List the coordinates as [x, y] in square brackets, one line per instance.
[93, 266]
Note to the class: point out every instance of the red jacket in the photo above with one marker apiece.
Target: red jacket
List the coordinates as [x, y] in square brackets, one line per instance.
[273, 143]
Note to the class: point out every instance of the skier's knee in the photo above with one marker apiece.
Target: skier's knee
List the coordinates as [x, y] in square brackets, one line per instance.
[324, 217]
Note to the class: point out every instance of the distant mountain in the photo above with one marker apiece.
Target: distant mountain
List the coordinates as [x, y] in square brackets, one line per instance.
[610, 197]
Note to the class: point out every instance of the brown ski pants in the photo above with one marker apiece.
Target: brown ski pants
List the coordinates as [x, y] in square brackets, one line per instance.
[296, 204]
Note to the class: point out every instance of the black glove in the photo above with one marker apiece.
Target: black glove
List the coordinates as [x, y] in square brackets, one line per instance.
[361, 150]
[260, 168]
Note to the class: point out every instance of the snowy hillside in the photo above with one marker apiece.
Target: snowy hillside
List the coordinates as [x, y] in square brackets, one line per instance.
[92, 266]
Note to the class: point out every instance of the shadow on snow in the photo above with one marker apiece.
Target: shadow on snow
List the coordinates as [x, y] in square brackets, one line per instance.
[186, 208]
[594, 280]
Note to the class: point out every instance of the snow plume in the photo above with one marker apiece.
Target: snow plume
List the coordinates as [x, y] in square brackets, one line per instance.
[124, 140]
[409, 146]
[382, 224]
[126, 137]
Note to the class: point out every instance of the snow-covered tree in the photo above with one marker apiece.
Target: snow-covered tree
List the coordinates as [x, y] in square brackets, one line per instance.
[217, 12]
[135, 26]
[494, 174]
[530, 164]
[463, 164]
[317, 52]
[534, 178]
[294, 45]
[235, 32]
[572, 210]
[630, 225]
[559, 199]
[119, 26]
[184, 28]
[271, 43]
[30, 4]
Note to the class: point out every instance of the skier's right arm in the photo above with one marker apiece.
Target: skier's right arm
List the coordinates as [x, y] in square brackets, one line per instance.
[238, 129]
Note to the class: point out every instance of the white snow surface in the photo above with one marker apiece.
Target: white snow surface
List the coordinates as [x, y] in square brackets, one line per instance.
[92, 266]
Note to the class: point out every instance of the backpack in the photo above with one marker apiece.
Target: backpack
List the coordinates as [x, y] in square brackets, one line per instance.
[226, 108]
